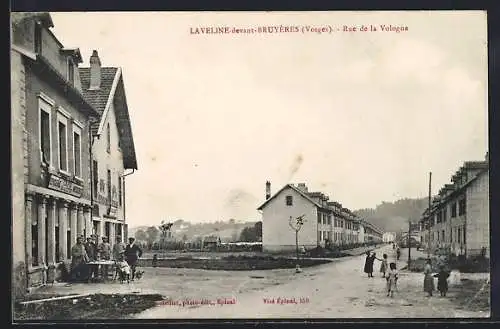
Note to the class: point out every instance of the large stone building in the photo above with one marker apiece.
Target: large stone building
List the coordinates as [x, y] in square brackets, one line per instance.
[324, 221]
[459, 214]
[113, 148]
[53, 123]
[50, 110]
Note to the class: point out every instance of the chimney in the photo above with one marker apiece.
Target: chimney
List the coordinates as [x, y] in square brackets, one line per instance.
[302, 187]
[268, 190]
[95, 71]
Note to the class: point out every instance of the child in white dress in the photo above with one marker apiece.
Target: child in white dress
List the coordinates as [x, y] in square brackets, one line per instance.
[123, 268]
[392, 279]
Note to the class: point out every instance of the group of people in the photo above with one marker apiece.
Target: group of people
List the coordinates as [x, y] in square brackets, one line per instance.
[390, 273]
[442, 277]
[83, 254]
[388, 270]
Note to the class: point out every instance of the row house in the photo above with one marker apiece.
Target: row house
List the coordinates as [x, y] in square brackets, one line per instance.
[372, 233]
[112, 147]
[458, 219]
[324, 221]
[54, 117]
[53, 138]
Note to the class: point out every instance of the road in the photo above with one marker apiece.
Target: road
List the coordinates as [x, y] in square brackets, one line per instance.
[336, 290]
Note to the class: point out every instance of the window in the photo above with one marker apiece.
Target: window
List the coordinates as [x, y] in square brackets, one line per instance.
[329, 220]
[461, 207]
[289, 200]
[442, 236]
[120, 197]
[109, 186]
[459, 235]
[38, 38]
[95, 176]
[77, 153]
[45, 141]
[444, 214]
[108, 138]
[465, 240]
[71, 72]
[63, 145]
[453, 210]
[319, 218]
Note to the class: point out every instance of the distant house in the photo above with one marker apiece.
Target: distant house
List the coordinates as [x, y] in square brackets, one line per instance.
[210, 242]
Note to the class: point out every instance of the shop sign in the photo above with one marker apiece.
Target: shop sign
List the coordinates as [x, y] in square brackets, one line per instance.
[65, 185]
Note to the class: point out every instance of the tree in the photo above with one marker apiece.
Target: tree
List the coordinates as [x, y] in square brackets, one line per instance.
[232, 221]
[141, 235]
[258, 230]
[152, 234]
[296, 225]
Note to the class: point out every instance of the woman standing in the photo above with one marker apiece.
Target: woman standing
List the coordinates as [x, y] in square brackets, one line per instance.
[428, 278]
[369, 264]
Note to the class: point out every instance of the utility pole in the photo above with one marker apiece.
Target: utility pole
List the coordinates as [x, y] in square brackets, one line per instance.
[429, 218]
[409, 243]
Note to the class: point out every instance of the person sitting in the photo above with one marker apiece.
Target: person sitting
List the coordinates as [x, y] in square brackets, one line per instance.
[123, 269]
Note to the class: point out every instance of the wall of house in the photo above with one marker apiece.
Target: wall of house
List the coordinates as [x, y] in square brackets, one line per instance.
[18, 119]
[34, 86]
[478, 216]
[112, 160]
[276, 232]
[24, 35]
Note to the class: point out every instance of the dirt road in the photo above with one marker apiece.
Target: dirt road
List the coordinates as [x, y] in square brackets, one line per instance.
[336, 290]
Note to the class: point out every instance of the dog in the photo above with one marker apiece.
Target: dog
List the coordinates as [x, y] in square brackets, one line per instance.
[139, 274]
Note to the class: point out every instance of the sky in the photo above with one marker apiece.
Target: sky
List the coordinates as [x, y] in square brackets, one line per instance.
[360, 116]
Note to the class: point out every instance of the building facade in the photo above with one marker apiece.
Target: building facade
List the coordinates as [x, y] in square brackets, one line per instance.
[50, 133]
[112, 150]
[388, 237]
[325, 222]
[459, 214]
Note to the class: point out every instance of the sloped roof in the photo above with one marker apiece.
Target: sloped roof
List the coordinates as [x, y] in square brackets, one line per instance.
[111, 91]
[99, 97]
[304, 195]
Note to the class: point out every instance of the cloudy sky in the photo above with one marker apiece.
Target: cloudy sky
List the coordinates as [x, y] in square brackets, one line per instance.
[362, 116]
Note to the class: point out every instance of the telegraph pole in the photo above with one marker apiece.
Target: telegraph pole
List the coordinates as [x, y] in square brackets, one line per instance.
[409, 243]
[429, 218]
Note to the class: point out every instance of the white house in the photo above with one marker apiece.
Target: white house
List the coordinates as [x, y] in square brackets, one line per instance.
[323, 221]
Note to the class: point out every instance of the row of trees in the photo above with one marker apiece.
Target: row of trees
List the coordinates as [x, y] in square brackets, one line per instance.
[157, 236]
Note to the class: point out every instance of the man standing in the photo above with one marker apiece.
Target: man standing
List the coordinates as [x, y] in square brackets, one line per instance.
[104, 250]
[118, 248]
[78, 260]
[91, 249]
[132, 254]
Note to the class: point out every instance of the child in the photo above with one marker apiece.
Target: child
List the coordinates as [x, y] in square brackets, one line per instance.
[123, 269]
[392, 279]
[383, 265]
[442, 280]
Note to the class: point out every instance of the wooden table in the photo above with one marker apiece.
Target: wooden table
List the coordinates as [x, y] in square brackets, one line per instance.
[100, 264]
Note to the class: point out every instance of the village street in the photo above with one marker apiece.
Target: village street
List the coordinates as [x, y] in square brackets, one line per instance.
[336, 290]
[339, 289]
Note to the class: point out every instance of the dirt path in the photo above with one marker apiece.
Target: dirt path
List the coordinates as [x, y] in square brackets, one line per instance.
[337, 290]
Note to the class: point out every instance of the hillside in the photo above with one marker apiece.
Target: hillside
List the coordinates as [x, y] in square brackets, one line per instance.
[227, 231]
[394, 216]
